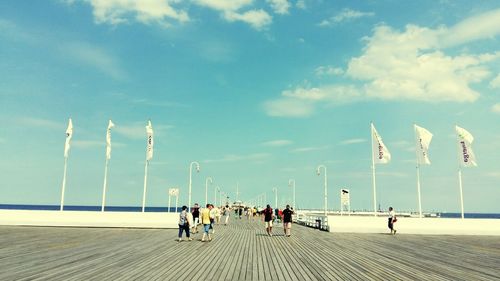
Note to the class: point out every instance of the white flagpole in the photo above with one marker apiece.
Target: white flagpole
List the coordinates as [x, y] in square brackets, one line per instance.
[168, 203]
[418, 175]
[176, 202]
[105, 184]
[145, 185]
[64, 182]
[373, 176]
[418, 192]
[460, 177]
[461, 191]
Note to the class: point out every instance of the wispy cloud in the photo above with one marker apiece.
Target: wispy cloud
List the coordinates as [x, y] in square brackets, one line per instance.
[85, 144]
[345, 15]
[493, 174]
[41, 123]
[496, 108]
[301, 101]
[301, 4]
[309, 149]
[328, 71]
[352, 141]
[236, 158]
[277, 143]
[159, 103]
[94, 56]
[285, 107]
[138, 130]
[495, 83]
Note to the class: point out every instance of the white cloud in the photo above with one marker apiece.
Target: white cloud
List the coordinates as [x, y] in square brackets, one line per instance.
[258, 19]
[277, 143]
[236, 158]
[345, 15]
[495, 83]
[353, 141]
[496, 108]
[406, 65]
[230, 11]
[94, 56]
[121, 11]
[328, 71]
[280, 6]
[224, 5]
[410, 65]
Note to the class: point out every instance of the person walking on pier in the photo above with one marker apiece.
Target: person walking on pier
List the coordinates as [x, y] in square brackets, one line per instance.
[287, 220]
[227, 214]
[268, 219]
[184, 223]
[205, 220]
[392, 220]
[196, 218]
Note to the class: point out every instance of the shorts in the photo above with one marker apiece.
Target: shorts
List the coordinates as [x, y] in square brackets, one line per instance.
[206, 227]
[269, 223]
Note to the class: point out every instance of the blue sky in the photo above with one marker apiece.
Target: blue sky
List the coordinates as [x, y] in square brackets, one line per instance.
[257, 91]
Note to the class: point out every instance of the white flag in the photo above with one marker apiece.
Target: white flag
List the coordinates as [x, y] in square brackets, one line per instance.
[465, 153]
[381, 153]
[69, 134]
[149, 149]
[423, 140]
[108, 139]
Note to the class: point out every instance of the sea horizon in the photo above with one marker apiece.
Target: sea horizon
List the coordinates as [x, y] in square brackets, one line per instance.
[48, 207]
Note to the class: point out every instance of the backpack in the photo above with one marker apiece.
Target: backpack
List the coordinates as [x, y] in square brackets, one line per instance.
[183, 218]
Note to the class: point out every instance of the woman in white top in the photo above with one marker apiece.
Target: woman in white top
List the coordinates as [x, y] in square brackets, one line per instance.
[392, 220]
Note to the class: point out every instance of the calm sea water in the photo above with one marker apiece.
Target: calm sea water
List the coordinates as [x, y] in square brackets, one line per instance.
[87, 208]
[172, 209]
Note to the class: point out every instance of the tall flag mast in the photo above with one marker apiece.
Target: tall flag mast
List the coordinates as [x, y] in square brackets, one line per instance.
[380, 155]
[422, 140]
[108, 156]
[466, 157]
[69, 135]
[149, 156]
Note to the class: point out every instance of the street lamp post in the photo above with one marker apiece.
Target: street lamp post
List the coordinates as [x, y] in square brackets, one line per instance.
[191, 179]
[215, 194]
[206, 189]
[318, 171]
[290, 181]
[275, 190]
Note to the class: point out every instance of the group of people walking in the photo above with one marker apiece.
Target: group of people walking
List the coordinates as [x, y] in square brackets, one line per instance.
[285, 216]
[210, 215]
[207, 217]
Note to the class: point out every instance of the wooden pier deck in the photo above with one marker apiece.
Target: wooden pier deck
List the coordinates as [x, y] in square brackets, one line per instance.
[241, 251]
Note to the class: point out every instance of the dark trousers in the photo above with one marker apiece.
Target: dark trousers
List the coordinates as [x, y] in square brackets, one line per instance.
[182, 228]
[390, 224]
